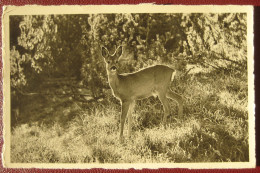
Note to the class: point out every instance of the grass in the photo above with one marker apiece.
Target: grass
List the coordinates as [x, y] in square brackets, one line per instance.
[214, 127]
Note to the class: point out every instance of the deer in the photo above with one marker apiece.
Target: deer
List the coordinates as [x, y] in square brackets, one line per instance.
[129, 87]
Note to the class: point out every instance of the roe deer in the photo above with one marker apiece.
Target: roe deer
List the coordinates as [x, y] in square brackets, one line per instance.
[151, 81]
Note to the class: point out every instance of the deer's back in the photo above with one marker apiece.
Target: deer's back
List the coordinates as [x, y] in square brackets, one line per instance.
[144, 83]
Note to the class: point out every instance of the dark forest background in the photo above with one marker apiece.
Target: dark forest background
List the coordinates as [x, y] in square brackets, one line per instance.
[56, 46]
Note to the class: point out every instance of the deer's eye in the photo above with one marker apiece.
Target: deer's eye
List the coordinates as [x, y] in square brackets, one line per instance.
[108, 61]
[116, 61]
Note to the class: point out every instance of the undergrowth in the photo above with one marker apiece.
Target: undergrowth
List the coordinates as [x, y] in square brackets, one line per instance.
[214, 127]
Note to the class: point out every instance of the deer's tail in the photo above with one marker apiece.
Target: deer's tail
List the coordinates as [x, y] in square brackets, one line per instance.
[173, 75]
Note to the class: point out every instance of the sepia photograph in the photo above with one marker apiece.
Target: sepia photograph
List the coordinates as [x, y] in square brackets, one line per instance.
[128, 86]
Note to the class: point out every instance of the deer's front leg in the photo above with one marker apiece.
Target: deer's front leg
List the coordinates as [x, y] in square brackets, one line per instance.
[129, 115]
[125, 108]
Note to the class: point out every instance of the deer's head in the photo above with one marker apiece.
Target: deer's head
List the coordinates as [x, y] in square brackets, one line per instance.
[111, 59]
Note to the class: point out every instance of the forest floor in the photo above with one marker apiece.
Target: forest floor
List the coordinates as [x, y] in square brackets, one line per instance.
[214, 128]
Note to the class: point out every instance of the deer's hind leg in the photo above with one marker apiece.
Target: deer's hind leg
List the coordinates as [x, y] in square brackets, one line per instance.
[166, 105]
[172, 95]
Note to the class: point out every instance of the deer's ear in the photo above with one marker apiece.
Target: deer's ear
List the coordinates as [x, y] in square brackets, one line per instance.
[104, 52]
[119, 51]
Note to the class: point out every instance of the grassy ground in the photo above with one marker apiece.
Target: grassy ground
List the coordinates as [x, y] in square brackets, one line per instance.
[214, 127]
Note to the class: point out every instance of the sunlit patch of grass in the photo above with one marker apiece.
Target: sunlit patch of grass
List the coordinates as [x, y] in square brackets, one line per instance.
[27, 146]
[232, 101]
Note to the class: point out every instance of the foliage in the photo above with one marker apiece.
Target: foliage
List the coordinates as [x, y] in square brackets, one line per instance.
[16, 71]
[69, 45]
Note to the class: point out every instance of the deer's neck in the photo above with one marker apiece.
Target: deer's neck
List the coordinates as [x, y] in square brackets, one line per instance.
[113, 81]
